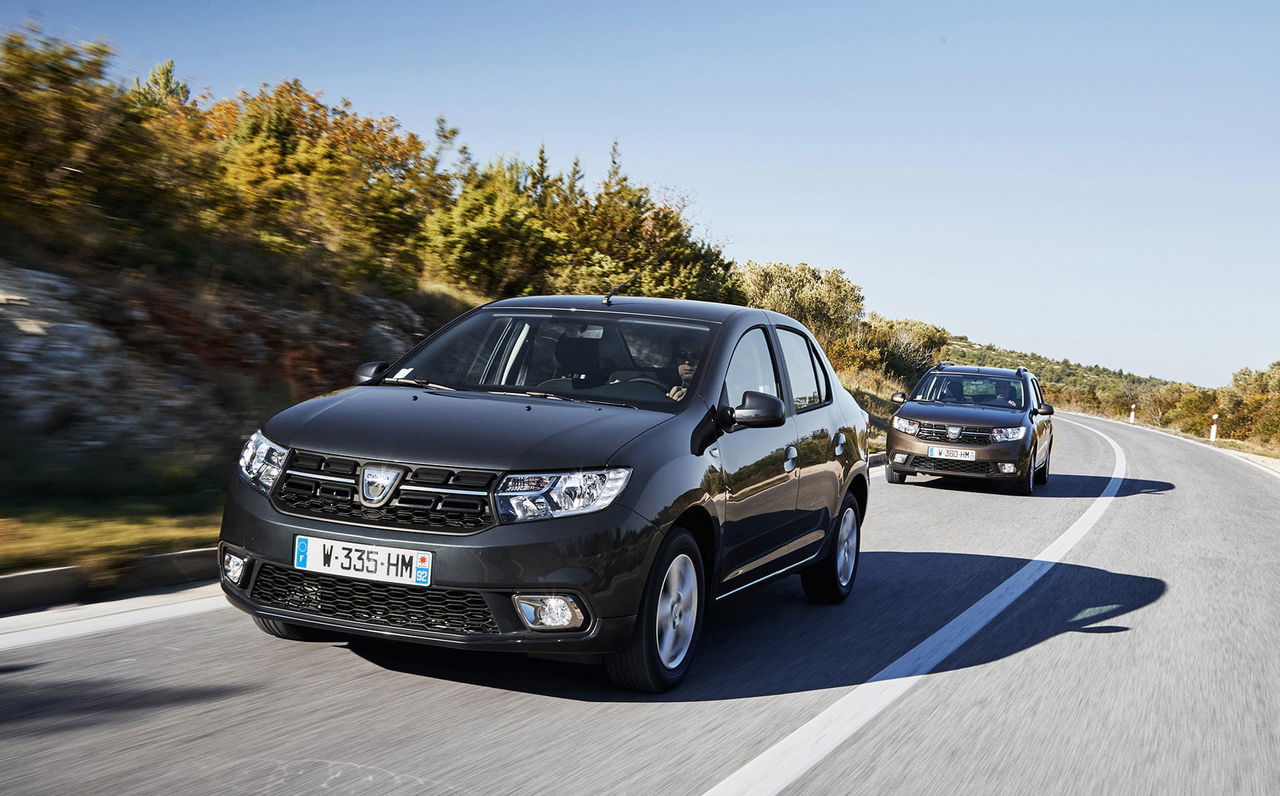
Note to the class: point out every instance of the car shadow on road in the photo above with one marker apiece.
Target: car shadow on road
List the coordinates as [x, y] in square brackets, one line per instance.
[49, 708]
[769, 640]
[1061, 485]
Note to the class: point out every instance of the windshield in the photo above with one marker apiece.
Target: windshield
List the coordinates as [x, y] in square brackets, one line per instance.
[964, 388]
[643, 362]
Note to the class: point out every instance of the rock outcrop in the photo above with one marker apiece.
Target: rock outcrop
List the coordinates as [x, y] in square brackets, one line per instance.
[147, 367]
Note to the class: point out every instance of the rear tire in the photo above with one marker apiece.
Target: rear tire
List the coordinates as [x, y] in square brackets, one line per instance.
[830, 580]
[894, 477]
[669, 621]
[292, 632]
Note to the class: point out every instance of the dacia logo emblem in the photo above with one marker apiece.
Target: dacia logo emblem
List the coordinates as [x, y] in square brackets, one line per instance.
[953, 432]
[378, 484]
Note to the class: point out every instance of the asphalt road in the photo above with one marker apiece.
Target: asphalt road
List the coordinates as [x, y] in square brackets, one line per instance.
[1147, 660]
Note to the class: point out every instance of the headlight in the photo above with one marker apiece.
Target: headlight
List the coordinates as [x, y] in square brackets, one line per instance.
[540, 496]
[905, 426]
[261, 461]
[1008, 434]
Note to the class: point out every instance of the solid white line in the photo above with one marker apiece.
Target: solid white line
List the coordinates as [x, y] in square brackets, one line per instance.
[1223, 451]
[101, 624]
[786, 761]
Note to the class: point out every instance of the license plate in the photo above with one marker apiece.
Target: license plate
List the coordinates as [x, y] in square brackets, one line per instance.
[365, 561]
[952, 453]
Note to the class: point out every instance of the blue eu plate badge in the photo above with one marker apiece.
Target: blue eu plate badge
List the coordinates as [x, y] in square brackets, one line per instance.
[300, 553]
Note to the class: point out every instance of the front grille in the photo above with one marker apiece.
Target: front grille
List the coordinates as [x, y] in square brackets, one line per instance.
[948, 465]
[427, 499]
[937, 432]
[387, 604]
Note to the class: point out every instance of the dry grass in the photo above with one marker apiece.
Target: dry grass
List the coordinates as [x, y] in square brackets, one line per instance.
[872, 390]
[439, 301]
[103, 544]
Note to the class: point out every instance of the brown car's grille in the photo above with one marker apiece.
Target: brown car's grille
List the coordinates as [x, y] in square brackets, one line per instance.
[389, 604]
[427, 499]
[948, 465]
[937, 432]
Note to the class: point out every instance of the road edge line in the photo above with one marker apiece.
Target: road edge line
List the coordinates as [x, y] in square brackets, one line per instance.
[1163, 433]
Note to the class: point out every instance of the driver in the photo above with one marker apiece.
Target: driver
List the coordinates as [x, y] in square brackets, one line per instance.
[1004, 394]
[687, 360]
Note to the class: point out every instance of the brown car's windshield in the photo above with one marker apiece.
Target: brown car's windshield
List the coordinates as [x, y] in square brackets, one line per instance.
[646, 362]
[971, 389]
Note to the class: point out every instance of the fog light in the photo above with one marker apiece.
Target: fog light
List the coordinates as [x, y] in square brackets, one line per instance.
[233, 568]
[548, 612]
[1008, 467]
[899, 458]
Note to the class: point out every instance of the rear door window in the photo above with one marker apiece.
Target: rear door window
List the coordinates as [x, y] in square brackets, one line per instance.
[808, 385]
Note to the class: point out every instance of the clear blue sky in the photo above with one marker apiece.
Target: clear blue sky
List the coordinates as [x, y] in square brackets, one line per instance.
[1098, 181]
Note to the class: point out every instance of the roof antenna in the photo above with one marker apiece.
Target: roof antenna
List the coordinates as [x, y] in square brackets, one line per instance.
[607, 299]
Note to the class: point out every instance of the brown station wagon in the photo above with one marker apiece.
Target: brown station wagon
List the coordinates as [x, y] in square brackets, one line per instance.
[972, 422]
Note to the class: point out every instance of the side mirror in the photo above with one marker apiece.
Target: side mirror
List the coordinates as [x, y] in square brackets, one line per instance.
[898, 397]
[1044, 409]
[760, 410]
[368, 371]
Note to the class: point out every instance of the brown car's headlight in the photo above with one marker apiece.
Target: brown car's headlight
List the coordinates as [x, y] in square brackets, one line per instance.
[1008, 434]
[906, 426]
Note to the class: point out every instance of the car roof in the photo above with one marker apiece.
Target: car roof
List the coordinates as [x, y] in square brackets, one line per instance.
[631, 305]
[953, 368]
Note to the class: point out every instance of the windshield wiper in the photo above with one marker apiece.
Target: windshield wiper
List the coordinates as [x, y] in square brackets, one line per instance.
[557, 397]
[419, 383]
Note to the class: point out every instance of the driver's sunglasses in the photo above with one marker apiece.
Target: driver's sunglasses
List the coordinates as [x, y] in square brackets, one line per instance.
[692, 357]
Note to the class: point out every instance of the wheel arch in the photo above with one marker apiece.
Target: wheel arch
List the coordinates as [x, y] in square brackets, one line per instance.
[858, 488]
[699, 522]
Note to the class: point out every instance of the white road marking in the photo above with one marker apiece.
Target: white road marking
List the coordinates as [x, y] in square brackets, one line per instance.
[72, 628]
[1223, 451]
[786, 761]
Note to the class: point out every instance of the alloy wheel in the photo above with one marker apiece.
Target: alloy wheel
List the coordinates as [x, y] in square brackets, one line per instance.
[677, 611]
[847, 546]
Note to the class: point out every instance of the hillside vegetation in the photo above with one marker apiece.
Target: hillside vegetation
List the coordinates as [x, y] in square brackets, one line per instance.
[224, 257]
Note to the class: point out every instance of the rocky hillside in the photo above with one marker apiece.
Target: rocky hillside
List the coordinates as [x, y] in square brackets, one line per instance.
[143, 382]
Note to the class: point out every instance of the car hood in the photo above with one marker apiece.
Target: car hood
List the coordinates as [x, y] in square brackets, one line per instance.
[460, 429]
[962, 414]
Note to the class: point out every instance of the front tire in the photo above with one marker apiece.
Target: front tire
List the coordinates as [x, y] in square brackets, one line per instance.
[894, 477]
[669, 622]
[1026, 485]
[289, 631]
[1042, 475]
[830, 580]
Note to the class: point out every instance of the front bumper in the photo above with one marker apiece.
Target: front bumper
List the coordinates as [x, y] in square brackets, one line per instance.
[984, 465]
[600, 559]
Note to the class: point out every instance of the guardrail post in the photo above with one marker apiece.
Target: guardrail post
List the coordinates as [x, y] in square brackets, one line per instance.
[1132, 408]
[1213, 430]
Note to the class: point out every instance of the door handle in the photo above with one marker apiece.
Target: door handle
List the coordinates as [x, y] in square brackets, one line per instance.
[789, 463]
[840, 440]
